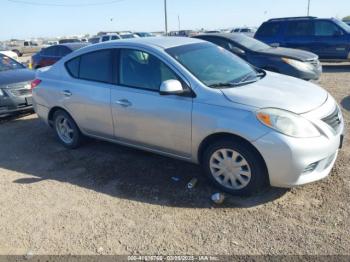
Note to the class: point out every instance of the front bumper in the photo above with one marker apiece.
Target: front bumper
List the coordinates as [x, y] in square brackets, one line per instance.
[297, 161]
[11, 104]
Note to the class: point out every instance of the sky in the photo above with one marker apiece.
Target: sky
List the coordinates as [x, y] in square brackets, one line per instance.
[24, 21]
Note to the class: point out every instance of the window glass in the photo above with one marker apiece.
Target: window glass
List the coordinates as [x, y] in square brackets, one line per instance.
[63, 51]
[212, 64]
[142, 70]
[94, 40]
[73, 67]
[50, 51]
[269, 29]
[26, 44]
[220, 42]
[114, 37]
[105, 38]
[325, 28]
[7, 63]
[96, 66]
[300, 28]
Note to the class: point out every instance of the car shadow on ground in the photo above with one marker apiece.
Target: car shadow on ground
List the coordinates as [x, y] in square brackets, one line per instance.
[345, 103]
[111, 169]
[336, 68]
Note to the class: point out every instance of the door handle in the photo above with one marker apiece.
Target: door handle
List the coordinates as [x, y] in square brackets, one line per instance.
[67, 93]
[124, 103]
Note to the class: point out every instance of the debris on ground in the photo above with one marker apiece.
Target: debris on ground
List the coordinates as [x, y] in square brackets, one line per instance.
[218, 198]
[192, 183]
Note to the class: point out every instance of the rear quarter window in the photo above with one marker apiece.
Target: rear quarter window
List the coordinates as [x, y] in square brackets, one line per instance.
[269, 29]
[72, 67]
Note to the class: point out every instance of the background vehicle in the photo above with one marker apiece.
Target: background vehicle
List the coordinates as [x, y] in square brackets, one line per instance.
[69, 40]
[293, 62]
[52, 54]
[144, 34]
[328, 38]
[244, 30]
[246, 127]
[15, 86]
[104, 38]
[127, 36]
[24, 47]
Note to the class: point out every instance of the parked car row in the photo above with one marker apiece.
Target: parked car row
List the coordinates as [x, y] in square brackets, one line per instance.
[193, 100]
[328, 38]
[293, 62]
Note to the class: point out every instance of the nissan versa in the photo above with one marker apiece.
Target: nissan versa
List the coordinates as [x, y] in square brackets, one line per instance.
[193, 100]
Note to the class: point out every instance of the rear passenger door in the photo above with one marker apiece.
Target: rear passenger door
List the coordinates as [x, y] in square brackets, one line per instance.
[142, 116]
[300, 35]
[87, 94]
[330, 40]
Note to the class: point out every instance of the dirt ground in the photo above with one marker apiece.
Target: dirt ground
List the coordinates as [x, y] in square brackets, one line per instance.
[108, 199]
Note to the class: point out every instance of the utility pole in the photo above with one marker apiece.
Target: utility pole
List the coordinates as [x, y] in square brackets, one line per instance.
[166, 17]
[308, 7]
[178, 18]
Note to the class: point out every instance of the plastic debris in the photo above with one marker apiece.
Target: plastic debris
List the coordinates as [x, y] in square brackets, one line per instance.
[218, 198]
[192, 183]
[175, 178]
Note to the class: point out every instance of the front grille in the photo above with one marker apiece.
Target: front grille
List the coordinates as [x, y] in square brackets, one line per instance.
[333, 120]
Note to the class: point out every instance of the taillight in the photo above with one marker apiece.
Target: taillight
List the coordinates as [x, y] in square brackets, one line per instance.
[35, 83]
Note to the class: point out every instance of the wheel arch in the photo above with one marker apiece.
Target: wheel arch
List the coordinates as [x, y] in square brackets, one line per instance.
[53, 111]
[223, 135]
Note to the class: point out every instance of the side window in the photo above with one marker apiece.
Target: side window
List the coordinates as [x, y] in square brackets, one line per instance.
[105, 38]
[300, 28]
[26, 43]
[63, 51]
[269, 29]
[73, 67]
[141, 70]
[50, 51]
[326, 28]
[96, 66]
[114, 37]
[220, 42]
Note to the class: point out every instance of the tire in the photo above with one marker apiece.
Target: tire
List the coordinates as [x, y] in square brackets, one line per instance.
[243, 165]
[66, 130]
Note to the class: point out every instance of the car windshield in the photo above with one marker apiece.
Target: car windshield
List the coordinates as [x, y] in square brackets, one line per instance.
[343, 25]
[7, 63]
[250, 43]
[213, 65]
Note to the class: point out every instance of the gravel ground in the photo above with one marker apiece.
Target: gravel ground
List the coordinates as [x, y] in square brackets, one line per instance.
[108, 199]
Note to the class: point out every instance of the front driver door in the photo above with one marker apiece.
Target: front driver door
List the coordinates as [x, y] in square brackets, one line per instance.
[330, 40]
[142, 116]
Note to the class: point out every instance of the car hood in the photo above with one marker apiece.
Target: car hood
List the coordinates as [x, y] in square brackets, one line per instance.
[16, 76]
[279, 91]
[290, 53]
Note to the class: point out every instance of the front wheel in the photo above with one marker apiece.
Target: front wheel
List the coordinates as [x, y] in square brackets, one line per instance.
[235, 167]
[66, 130]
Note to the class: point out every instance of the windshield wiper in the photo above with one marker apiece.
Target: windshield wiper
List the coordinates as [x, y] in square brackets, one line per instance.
[219, 85]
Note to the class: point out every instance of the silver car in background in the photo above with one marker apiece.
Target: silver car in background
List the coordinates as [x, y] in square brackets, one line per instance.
[192, 100]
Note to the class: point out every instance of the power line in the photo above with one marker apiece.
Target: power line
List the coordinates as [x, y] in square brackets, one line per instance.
[36, 3]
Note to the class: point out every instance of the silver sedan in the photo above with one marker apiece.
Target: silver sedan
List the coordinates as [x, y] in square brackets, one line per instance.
[192, 100]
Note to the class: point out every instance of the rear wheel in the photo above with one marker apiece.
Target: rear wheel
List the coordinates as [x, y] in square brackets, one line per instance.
[235, 167]
[66, 130]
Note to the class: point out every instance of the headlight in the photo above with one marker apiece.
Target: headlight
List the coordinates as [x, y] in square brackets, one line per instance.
[298, 64]
[287, 123]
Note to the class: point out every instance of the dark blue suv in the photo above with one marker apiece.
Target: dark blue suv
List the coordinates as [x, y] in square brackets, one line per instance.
[328, 38]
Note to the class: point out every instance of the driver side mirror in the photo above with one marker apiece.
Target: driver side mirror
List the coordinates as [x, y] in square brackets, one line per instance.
[171, 87]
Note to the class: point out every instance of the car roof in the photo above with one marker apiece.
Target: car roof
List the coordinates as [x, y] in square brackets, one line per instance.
[74, 46]
[160, 42]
